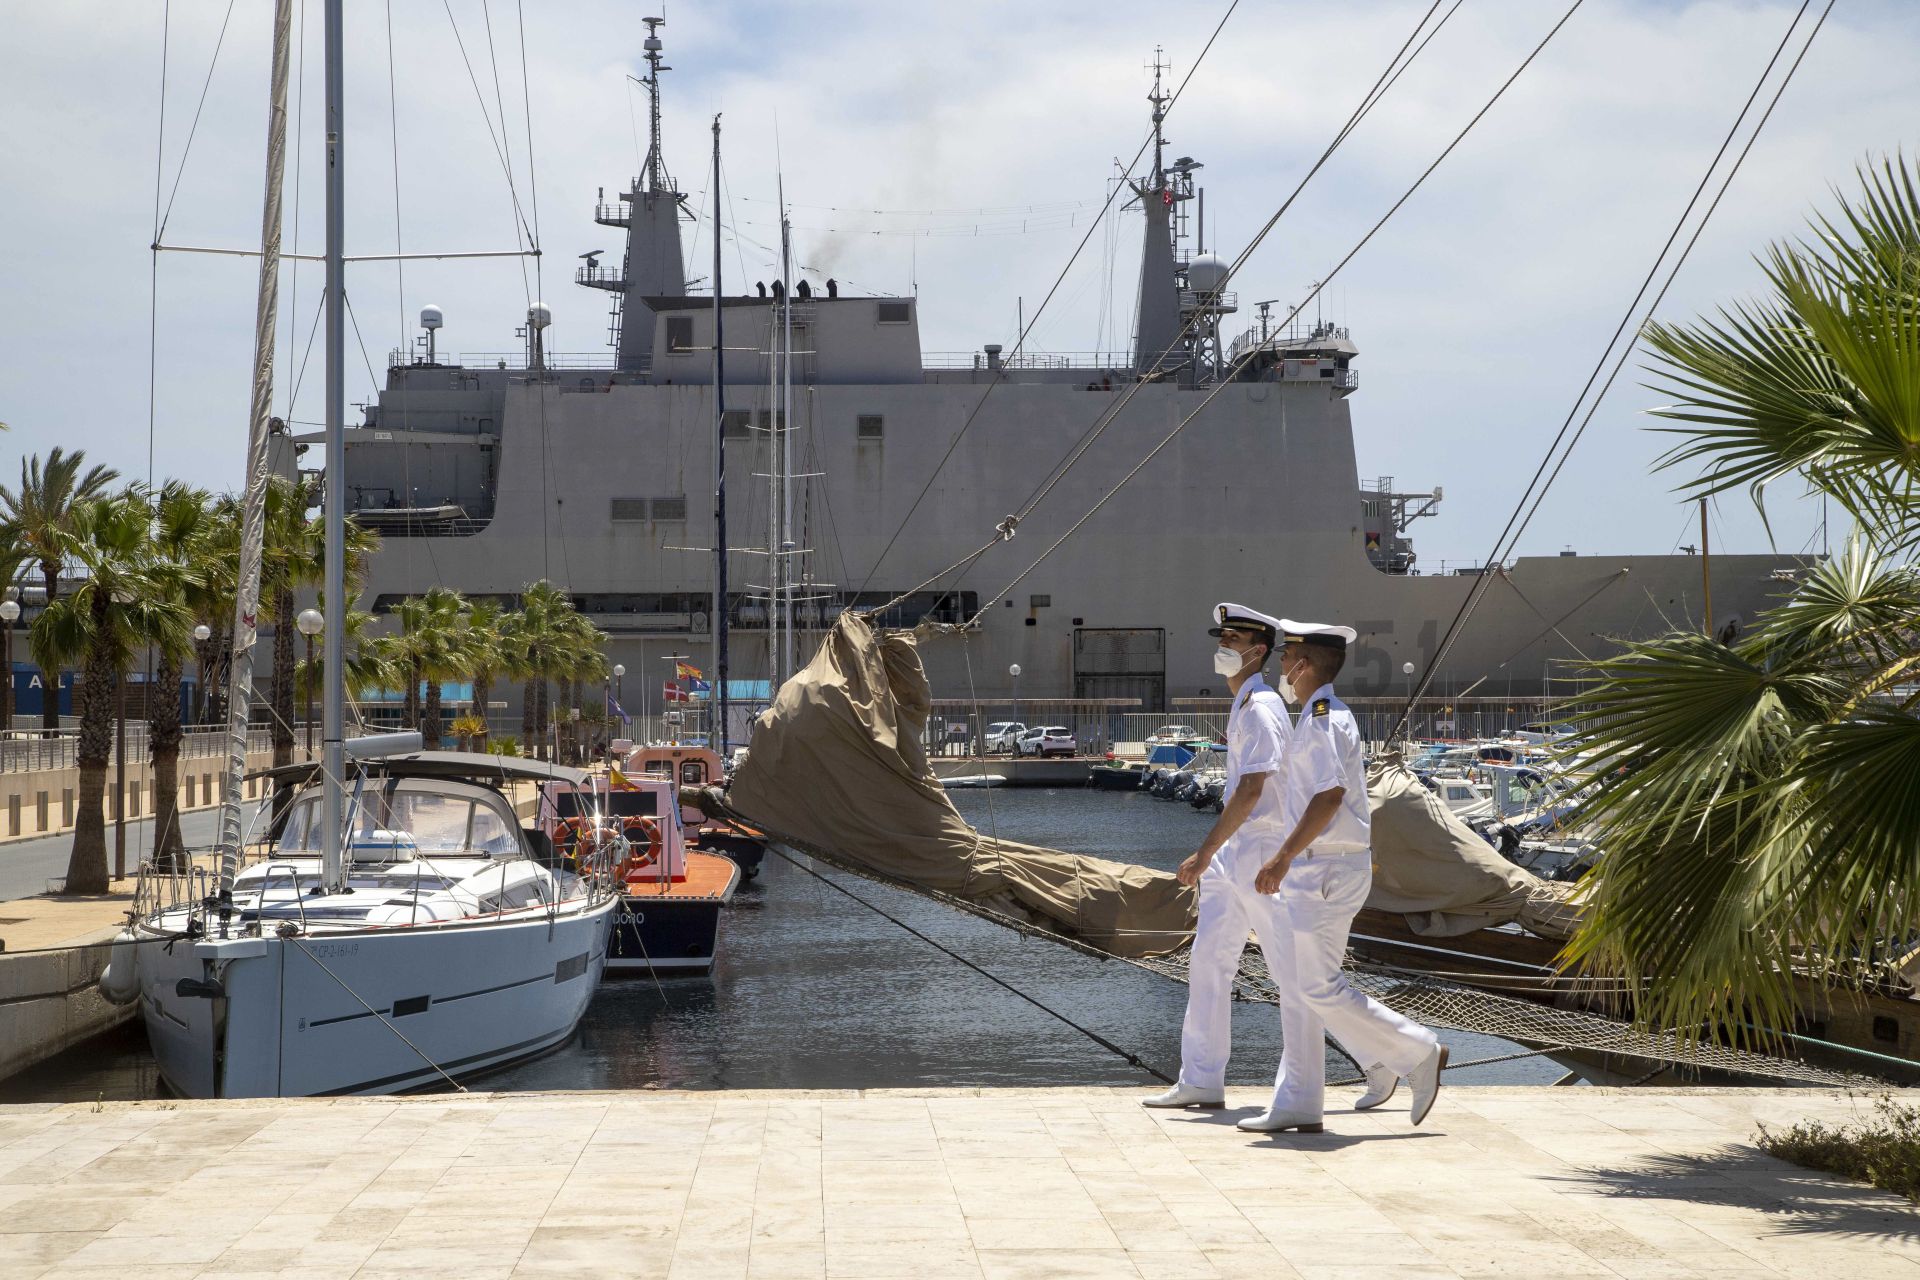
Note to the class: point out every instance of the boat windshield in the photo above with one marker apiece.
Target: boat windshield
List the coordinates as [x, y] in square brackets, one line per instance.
[439, 820]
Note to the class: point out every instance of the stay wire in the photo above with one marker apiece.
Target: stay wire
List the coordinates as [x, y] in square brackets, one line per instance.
[193, 128]
[521, 231]
[1105, 418]
[1020, 342]
[1524, 512]
[1227, 379]
[1132, 1059]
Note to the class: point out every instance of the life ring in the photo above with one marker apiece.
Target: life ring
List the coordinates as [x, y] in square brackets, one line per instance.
[643, 846]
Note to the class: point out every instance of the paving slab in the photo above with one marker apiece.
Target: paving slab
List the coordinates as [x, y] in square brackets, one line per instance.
[976, 1183]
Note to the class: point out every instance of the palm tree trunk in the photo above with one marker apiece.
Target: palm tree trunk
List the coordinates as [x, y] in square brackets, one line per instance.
[482, 694]
[163, 731]
[87, 865]
[430, 728]
[50, 680]
[529, 715]
[283, 667]
[545, 721]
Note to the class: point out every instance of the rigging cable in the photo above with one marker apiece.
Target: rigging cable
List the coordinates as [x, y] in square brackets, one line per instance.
[1227, 378]
[1053, 289]
[1517, 523]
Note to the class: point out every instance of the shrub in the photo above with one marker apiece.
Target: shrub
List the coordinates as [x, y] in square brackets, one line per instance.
[1884, 1151]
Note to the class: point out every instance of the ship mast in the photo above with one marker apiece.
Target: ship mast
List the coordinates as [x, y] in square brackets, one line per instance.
[718, 699]
[655, 176]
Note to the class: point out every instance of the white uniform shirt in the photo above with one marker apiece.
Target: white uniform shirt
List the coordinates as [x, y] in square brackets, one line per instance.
[1324, 753]
[1257, 734]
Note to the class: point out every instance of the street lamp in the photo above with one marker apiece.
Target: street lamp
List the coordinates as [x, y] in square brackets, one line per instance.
[1014, 671]
[202, 634]
[1406, 669]
[310, 622]
[9, 614]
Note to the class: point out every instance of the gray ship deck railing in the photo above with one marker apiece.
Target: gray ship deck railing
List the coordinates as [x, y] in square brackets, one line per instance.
[1111, 361]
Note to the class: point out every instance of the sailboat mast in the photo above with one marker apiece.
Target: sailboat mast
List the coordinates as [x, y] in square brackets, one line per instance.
[784, 559]
[773, 484]
[246, 607]
[333, 687]
[718, 698]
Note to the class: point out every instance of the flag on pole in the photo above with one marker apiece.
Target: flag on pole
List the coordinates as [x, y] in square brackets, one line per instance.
[686, 671]
[698, 687]
[670, 691]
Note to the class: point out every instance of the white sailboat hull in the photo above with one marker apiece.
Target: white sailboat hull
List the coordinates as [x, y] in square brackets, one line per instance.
[368, 1011]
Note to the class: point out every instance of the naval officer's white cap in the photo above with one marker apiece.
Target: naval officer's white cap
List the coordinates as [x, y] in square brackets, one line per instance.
[1239, 616]
[1325, 634]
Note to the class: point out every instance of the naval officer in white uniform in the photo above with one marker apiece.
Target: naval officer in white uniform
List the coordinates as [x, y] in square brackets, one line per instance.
[1247, 831]
[1319, 875]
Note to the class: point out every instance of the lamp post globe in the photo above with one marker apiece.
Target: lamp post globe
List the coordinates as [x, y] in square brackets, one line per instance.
[310, 622]
[1014, 671]
[203, 632]
[1406, 668]
[9, 611]
[619, 669]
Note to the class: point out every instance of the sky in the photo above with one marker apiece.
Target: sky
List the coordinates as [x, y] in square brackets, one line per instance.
[956, 151]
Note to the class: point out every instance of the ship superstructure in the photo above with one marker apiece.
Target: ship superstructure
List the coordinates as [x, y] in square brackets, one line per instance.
[597, 473]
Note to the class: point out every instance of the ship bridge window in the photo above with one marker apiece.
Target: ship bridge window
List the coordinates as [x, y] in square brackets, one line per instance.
[893, 312]
[737, 424]
[670, 508]
[679, 333]
[629, 509]
[869, 426]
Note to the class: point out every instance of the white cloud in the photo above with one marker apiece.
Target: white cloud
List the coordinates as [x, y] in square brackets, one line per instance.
[1478, 310]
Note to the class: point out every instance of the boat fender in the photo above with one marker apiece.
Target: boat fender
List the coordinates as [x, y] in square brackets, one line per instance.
[120, 981]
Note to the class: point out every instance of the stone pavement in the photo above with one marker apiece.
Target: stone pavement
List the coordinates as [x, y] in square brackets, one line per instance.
[927, 1184]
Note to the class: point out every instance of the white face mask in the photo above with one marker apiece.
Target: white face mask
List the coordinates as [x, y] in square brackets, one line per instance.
[1288, 693]
[1227, 661]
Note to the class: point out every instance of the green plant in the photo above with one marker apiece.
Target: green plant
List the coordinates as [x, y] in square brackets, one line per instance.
[1884, 1151]
[503, 746]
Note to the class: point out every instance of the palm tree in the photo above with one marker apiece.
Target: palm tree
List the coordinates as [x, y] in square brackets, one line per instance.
[1761, 805]
[581, 660]
[536, 638]
[487, 657]
[293, 559]
[184, 531]
[128, 598]
[442, 645]
[39, 512]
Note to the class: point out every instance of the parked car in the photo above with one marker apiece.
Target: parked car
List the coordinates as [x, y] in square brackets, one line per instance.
[1048, 740]
[1172, 733]
[1003, 734]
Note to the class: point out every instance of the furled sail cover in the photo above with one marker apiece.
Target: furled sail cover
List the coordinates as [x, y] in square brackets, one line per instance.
[1446, 880]
[837, 762]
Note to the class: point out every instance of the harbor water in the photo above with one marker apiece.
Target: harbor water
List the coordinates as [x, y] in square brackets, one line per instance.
[814, 989]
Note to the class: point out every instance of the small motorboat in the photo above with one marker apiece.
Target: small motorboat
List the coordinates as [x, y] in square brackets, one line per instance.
[1116, 775]
[668, 921]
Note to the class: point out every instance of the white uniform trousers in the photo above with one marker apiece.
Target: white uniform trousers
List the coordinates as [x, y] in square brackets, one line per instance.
[1318, 899]
[1228, 912]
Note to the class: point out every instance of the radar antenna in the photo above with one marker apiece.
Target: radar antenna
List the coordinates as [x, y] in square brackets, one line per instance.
[658, 182]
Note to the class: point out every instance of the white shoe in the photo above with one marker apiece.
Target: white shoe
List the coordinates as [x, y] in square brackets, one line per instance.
[1380, 1086]
[1186, 1095]
[1424, 1080]
[1276, 1121]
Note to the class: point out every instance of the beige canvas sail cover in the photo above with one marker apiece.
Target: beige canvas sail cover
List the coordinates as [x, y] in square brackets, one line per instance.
[838, 763]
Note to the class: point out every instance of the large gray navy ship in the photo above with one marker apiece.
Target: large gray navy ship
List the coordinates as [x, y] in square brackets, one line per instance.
[597, 473]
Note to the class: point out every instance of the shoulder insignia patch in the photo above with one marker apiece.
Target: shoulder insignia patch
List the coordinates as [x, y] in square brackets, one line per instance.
[1321, 706]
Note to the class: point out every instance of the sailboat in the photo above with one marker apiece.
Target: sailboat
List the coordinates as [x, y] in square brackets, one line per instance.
[395, 927]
